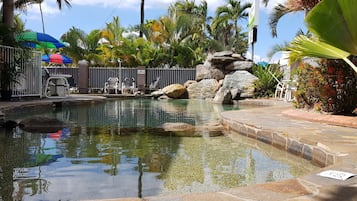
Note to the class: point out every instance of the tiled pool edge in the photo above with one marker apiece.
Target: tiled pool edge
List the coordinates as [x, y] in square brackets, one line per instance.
[314, 153]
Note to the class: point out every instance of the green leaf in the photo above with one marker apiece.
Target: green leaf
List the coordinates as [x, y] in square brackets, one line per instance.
[333, 21]
[304, 46]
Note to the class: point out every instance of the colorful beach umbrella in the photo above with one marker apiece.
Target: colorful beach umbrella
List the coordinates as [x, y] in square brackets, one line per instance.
[56, 58]
[38, 40]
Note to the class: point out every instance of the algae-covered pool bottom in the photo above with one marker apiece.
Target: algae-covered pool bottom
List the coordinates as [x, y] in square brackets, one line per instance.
[113, 150]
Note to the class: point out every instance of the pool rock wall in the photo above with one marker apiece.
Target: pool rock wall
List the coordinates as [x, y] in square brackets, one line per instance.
[222, 78]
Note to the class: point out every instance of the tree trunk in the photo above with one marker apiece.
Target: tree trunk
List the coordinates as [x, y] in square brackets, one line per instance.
[43, 22]
[142, 12]
[8, 13]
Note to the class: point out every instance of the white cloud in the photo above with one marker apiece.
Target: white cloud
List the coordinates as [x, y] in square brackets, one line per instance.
[258, 58]
[271, 5]
[48, 9]
[51, 8]
[135, 4]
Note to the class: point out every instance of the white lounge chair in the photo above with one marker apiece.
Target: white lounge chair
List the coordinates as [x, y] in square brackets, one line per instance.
[129, 86]
[112, 84]
[290, 88]
[285, 89]
[154, 84]
[279, 90]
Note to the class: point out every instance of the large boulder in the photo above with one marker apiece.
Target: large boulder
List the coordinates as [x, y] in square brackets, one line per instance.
[223, 96]
[41, 124]
[239, 65]
[205, 89]
[223, 54]
[213, 129]
[181, 129]
[222, 61]
[208, 72]
[174, 90]
[239, 57]
[241, 83]
[188, 83]
[157, 94]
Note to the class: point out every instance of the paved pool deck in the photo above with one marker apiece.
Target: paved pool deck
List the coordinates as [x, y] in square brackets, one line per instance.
[329, 141]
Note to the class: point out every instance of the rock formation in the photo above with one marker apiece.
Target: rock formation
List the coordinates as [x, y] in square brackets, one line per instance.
[223, 77]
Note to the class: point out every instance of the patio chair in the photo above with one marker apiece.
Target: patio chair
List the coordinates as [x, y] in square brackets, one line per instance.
[112, 84]
[56, 87]
[280, 90]
[129, 86]
[290, 88]
[154, 84]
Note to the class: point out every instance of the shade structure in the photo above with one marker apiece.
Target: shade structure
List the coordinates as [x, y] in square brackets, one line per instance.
[56, 59]
[38, 40]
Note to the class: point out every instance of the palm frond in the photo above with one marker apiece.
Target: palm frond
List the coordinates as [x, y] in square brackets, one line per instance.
[279, 11]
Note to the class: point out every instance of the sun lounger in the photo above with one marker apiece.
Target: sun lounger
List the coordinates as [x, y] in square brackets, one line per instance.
[112, 84]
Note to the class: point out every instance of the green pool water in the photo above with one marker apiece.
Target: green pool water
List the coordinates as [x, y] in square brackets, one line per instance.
[118, 149]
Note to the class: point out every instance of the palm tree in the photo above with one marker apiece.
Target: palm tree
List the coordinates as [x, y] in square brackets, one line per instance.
[289, 6]
[9, 5]
[113, 31]
[8, 13]
[142, 16]
[231, 12]
[82, 45]
[326, 43]
[197, 13]
[227, 17]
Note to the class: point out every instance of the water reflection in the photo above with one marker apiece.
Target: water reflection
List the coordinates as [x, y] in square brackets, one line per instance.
[112, 150]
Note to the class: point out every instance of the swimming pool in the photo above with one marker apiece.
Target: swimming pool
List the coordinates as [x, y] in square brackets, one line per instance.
[118, 149]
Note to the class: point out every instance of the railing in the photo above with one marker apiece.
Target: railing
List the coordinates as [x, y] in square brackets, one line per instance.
[30, 80]
[99, 75]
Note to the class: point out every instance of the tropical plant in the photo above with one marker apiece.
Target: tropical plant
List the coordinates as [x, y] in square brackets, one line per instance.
[226, 20]
[10, 71]
[289, 6]
[285, 45]
[9, 75]
[323, 21]
[331, 87]
[179, 36]
[6, 33]
[268, 77]
[82, 45]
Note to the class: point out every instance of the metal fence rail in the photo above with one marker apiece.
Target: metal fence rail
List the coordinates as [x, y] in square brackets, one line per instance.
[99, 75]
[30, 80]
[169, 76]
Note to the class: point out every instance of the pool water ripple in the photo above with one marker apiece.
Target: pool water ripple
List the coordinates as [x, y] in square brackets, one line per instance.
[118, 149]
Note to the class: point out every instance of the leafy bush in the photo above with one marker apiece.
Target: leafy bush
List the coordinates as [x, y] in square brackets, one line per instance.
[331, 87]
[265, 86]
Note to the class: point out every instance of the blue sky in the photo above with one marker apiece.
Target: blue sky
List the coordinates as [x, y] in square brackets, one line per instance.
[91, 14]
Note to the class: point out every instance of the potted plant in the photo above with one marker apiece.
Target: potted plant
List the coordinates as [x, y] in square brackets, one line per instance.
[9, 74]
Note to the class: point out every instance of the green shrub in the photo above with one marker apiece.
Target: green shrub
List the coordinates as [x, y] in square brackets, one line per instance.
[265, 86]
[331, 87]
